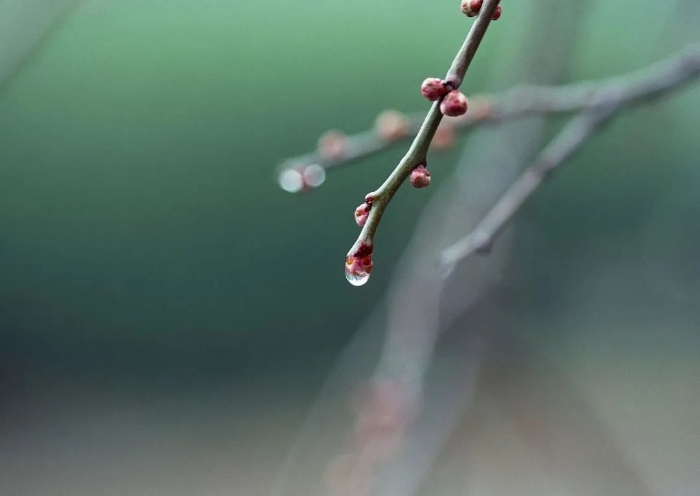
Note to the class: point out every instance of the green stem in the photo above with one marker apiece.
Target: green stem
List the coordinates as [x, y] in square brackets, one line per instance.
[421, 143]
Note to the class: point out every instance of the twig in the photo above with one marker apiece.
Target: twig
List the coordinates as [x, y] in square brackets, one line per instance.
[599, 104]
[416, 154]
[574, 134]
[518, 102]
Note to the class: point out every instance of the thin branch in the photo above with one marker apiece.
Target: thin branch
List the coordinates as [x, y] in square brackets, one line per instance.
[518, 102]
[419, 148]
[600, 105]
[574, 134]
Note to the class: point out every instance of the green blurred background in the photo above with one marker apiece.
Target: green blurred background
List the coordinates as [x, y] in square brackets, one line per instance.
[146, 248]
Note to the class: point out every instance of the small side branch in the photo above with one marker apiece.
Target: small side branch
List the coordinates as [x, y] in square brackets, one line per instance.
[518, 102]
[570, 139]
[600, 106]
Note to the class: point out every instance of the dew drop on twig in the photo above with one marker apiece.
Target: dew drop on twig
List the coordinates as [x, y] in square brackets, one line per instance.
[358, 269]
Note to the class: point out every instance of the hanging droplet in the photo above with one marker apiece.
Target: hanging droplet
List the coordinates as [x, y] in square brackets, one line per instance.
[356, 279]
[291, 180]
[358, 269]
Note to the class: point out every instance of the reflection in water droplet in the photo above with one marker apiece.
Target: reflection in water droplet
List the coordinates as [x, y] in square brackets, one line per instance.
[291, 180]
[314, 175]
[356, 279]
[358, 269]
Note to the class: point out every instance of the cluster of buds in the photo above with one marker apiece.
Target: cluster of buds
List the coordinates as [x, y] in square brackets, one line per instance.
[453, 103]
[471, 8]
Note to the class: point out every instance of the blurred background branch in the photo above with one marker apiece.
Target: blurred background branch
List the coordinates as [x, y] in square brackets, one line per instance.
[521, 101]
[601, 104]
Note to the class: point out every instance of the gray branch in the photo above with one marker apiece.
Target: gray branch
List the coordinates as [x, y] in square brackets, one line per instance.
[598, 103]
[522, 101]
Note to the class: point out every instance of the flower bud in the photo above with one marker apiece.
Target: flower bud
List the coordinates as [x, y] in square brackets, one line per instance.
[362, 213]
[332, 145]
[420, 177]
[433, 89]
[471, 8]
[496, 14]
[454, 104]
[391, 125]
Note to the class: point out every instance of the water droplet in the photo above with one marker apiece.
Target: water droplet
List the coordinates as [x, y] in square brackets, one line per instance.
[358, 269]
[356, 279]
[291, 180]
[314, 175]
